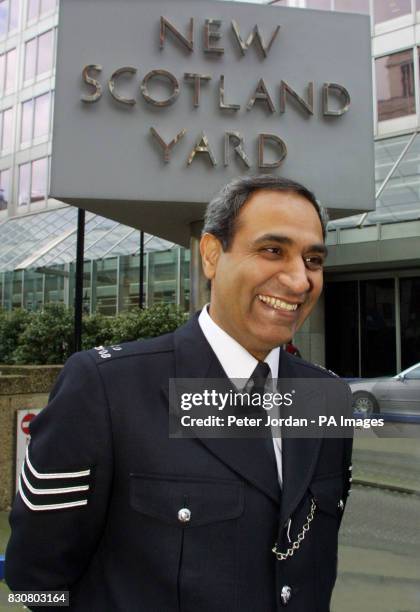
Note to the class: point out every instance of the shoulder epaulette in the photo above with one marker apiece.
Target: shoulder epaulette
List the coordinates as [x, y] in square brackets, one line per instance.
[326, 370]
[130, 349]
[314, 366]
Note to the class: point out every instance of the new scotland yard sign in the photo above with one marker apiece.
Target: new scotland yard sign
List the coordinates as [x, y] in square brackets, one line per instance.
[159, 103]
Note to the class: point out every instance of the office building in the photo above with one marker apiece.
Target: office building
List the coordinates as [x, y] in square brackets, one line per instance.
[372, 296]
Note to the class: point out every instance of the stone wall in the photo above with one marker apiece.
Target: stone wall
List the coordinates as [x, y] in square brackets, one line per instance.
[20, 387]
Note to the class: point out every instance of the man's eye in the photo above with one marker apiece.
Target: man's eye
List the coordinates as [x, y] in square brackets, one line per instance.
[314, 262]
[272, 250]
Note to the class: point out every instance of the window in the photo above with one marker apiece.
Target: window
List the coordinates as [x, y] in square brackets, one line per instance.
[106, 286]
[384, 10]
[9, 16]
[413, 374]
[319, 4]
[47, 6]
[410, 321]
[39, 55]
[42, 115]
[377, 317]
[10, 72]
[7, 71]
[32, 290]
[39, 179]
[13, 14]
[6, 129]
[4, 17]
[30, 59]
[4, 188]
[27, 121]
[33, 10]
[24, 184]
[129, 281]
[54, 284]
[395, 85]
[16, 281]
[33, 178]
[39, 8]
[341, 304]
[35, 118]
[162, 277]
[368, 307]
[45, 52]
[352, 6]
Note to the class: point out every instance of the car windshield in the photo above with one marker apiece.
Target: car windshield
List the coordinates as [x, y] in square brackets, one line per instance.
[412, 372]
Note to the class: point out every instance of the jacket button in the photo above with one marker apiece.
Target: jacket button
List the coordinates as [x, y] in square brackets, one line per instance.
[184, 515]
[286, 594]
[341, 504]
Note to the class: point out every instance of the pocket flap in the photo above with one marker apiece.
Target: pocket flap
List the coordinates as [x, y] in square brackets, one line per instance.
[208, 500]
[328, 494]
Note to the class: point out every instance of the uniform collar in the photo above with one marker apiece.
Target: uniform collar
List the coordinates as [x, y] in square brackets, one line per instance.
[234, 359]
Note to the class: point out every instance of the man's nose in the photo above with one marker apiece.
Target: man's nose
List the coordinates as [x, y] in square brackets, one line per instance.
[295, 277]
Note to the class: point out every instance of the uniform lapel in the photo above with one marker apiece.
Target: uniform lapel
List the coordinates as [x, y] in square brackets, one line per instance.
[194, 358]
[299, 455]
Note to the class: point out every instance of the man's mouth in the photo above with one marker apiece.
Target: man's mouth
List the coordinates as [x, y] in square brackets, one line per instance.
[277, 303]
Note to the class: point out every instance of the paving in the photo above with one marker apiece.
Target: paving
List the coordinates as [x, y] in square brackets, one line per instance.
[387, 461]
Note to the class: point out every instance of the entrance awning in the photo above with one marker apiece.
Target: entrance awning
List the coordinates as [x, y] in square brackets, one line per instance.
[397, 184]
[49, 238]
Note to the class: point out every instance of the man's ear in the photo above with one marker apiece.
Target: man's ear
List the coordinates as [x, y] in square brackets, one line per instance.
[210, 249]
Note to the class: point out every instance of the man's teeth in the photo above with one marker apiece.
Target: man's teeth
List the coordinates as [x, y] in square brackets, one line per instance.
[276, 303]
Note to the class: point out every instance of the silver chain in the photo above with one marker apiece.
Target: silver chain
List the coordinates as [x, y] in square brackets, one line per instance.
[281, 556]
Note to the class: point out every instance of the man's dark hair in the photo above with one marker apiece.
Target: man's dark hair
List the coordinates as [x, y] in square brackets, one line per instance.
[224, 208]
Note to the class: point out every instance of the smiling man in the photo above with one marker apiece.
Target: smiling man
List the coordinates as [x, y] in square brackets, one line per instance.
[126, 518]
[265, 260]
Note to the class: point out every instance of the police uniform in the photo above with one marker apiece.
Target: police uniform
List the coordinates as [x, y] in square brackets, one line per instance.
[128, 519]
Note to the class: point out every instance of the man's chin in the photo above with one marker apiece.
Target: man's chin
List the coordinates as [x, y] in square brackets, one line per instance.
[268, 341]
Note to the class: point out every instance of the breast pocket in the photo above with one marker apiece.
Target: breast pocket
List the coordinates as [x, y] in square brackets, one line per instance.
[194, 526]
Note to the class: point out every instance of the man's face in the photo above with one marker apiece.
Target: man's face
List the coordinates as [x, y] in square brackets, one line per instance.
[268, 282]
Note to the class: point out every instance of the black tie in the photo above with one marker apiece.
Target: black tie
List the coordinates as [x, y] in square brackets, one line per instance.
[257, 388]
[259, 378]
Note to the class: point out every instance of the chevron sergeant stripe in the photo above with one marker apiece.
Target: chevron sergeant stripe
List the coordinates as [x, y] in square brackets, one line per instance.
[56, 475]
[53, 490]
[60, 506]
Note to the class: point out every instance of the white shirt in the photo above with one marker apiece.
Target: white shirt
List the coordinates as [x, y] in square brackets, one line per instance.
[238, 363]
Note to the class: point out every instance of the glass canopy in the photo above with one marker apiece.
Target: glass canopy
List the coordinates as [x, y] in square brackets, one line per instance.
[397, 183]
[49, 238]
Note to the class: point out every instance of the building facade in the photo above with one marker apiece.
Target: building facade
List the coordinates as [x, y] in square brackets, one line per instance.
[372, 298]
[369, 321]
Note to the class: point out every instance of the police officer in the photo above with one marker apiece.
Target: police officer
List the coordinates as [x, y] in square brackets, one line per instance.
[128, 519]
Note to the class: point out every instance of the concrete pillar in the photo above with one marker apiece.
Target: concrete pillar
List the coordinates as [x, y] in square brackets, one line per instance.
[310, 339]
[199, 293]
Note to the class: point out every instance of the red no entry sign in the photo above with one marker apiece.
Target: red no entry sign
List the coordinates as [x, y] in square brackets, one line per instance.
[24, 425]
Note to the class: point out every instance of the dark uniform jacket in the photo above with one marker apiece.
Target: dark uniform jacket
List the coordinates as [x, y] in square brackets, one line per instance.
[102, 486]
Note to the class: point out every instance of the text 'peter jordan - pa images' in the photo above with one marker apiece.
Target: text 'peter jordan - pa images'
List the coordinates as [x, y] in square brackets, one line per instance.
[228, 409]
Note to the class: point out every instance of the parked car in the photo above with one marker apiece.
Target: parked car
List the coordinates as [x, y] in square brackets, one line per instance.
[396, 394]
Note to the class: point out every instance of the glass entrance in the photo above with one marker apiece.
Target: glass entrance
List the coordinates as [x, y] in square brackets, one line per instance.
[410, 321]
[377, 321]
[360, 326]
